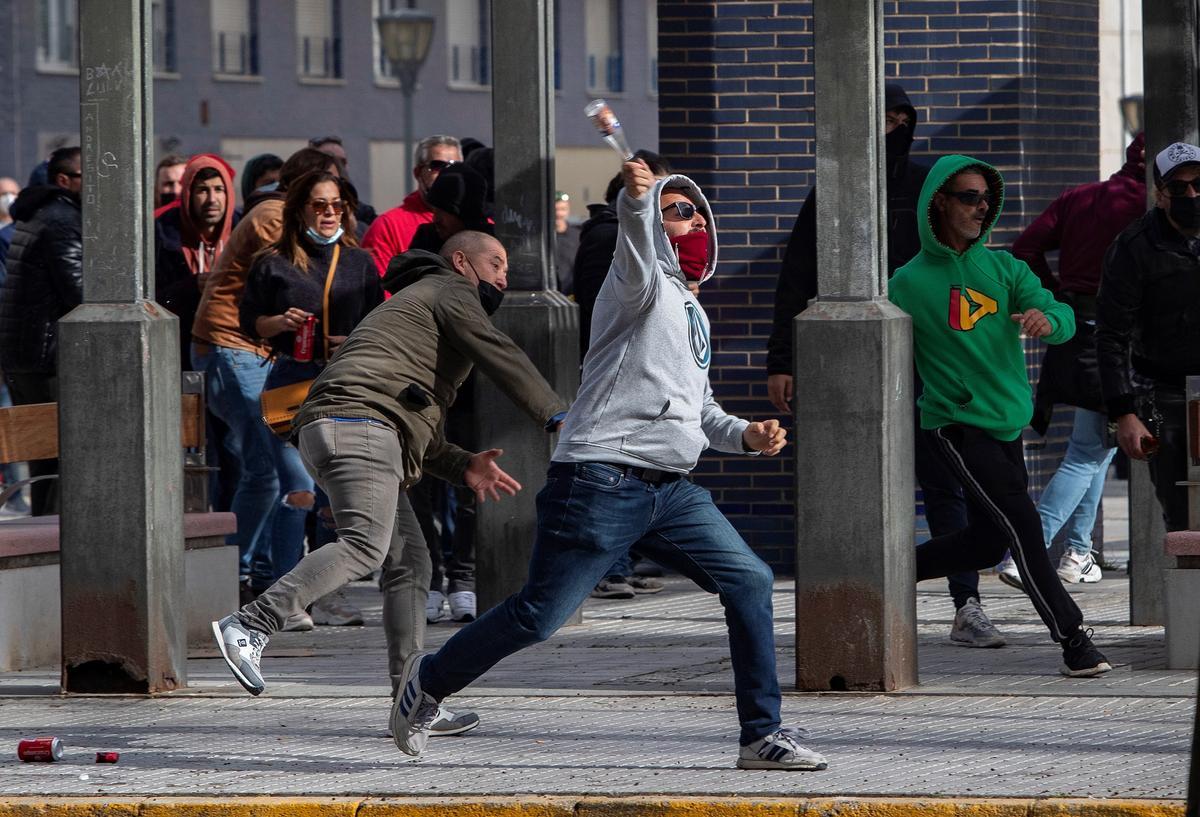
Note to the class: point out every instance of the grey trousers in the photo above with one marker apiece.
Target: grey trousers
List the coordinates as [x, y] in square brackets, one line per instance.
[359, 465]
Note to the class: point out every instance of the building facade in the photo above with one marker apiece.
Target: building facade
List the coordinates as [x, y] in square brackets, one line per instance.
[241, 77]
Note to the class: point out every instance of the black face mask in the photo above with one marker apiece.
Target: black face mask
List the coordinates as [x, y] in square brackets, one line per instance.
[1185, 212]
[897, 143]
[489, 296]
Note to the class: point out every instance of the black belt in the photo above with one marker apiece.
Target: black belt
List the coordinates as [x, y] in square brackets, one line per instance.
[652, 476]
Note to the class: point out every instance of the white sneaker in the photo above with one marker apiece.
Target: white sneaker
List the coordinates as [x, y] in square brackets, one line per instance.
[1008, 573]
[332, 610]
[413, 711]
[1075, 569]
[781, 750]
[242, 648]
[462, 605]
[435, 607]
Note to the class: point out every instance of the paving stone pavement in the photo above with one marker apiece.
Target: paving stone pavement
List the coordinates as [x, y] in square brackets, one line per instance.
[637, 700]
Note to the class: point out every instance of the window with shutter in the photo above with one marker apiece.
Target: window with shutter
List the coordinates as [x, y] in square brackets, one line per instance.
[318, 40]
[605, 52]
[162, 21]
[468, 43]
[57, 24]
[235, 37]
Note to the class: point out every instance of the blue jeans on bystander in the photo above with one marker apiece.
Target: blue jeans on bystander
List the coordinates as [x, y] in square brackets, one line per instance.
[1073, 494]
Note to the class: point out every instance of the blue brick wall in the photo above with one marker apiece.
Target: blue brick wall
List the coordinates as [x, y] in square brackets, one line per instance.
[1012, 83]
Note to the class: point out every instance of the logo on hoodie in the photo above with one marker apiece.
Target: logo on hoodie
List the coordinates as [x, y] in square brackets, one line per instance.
[968, 307]
[698, 336]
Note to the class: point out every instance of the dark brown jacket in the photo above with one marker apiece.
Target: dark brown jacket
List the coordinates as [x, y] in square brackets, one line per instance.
[404, 363]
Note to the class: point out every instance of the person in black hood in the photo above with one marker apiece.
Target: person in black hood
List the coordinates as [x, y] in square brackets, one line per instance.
[945, 509]
[44, 283]
[458, 200]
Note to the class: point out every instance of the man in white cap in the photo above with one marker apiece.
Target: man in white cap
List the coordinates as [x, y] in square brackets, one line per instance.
[1148, 327]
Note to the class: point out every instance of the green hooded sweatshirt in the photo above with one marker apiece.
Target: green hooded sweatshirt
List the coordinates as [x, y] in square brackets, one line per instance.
[968, 350]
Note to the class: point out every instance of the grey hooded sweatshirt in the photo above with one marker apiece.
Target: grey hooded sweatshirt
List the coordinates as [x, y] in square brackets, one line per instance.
[645, 398]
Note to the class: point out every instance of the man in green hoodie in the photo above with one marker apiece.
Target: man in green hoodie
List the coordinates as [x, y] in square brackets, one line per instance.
[969, 307]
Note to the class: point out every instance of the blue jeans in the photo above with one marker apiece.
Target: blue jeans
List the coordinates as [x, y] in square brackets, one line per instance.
[286, 530]
[235, 379]
[588, 515]
[1073, 494]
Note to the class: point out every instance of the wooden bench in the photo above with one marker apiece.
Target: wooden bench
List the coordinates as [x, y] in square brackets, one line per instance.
[30, 632]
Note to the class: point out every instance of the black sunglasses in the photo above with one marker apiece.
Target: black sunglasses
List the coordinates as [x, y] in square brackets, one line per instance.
[439, 164]
[970, 197]
[1179, 189]
[685, 209]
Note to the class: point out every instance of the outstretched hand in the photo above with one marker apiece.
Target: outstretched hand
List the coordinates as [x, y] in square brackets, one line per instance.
[486, 478]
[766, 437]
[638, 178]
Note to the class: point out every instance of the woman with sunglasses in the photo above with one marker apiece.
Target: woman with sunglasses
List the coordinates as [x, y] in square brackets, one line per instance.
[286, 287]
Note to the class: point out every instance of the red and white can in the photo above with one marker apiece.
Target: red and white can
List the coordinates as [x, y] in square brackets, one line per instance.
[40, 750]
[107, 757]
[302, 348]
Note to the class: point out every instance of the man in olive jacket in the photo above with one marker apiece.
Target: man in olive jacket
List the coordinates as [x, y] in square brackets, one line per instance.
[373, 420]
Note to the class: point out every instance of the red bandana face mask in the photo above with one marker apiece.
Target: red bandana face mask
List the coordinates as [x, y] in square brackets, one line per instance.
[692, 249]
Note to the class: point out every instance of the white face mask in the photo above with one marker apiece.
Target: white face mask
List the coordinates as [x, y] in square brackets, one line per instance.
[6, 201]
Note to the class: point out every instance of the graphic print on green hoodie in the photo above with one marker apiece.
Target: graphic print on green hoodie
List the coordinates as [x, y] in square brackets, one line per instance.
[967, 348]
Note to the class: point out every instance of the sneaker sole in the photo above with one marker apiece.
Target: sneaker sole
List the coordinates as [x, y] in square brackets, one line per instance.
[460, 730]
[1090, 672]
[1011, 582]
[771, 765]
[237, 673]
[992, 644]
[396, 721]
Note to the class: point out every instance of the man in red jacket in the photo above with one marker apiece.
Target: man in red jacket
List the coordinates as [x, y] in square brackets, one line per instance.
[391, 233]
[1080, 224]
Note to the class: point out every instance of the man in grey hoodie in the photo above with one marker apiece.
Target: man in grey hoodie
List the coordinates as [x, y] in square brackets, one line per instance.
[618, 479]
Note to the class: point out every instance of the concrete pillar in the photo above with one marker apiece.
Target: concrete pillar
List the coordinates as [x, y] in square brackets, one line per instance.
[855, 594]
[1169, 57]
[539, 319]
[122, 466]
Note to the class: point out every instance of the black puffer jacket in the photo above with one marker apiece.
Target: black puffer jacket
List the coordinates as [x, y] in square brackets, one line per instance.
[1148, 312]
[798, 273]
[597, 245]
[45, 278]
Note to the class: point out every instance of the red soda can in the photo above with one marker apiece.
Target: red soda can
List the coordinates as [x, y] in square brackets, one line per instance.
[107, 757]
[40, 750]
[302, 349]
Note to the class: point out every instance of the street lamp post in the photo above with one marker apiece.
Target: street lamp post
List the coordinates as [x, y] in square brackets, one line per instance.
[405, 35]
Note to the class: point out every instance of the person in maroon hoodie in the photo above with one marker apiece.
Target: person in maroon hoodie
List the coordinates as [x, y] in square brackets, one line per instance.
[189, 234]
[1080, 224]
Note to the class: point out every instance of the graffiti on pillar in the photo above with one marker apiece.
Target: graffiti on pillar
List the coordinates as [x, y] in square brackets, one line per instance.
[103, 79]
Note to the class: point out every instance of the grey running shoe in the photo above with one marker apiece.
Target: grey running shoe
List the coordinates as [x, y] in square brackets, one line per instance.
[1081, 659]
[241, 647]
[300, 622]
[613, 587]
[413, 711]
[781, 750]
[643, 585]
[1074, 568]
[449, 723]
[333, 610]
[972, 627]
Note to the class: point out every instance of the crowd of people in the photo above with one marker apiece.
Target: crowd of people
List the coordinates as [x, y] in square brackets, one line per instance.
[377, 322]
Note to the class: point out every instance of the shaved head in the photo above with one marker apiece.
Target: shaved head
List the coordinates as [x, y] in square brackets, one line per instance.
[470, 242]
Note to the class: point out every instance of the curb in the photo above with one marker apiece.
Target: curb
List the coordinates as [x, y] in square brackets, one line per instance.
[749, 806]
